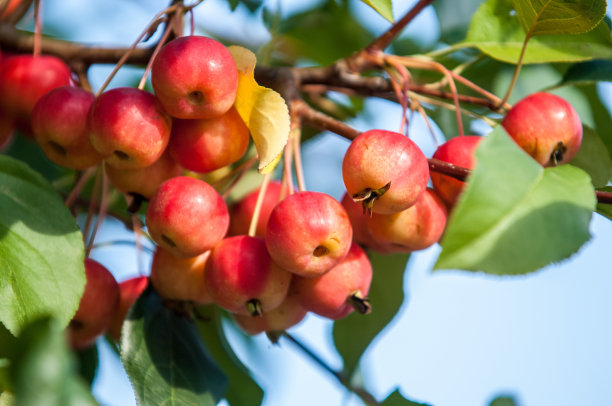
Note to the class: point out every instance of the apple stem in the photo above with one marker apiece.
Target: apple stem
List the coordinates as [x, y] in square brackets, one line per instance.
[158, 47]
[101, 213]
[82, 179]
[37, 27]
[295, 136]
[254, 308]
[259, 204]
[287, 178]
[359, 303]
[237, 173]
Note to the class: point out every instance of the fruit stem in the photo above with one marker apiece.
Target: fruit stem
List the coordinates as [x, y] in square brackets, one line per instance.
[92, 204]
[259, 204]
[287, 178]
[158, 47]
[359, 303]
[363, 394]
[80, 183]
[240, 170]
[101, 213]
[37, 27]
[295, 136]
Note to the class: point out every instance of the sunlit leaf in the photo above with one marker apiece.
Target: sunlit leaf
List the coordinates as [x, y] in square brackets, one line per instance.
[503, 401]
[263, 110]
[514, 216]
[383, 7]
[495, 30]
[242, 389]
[165, 359]
[353, 334]
[594, 158]
[41, 250]
[559, 16]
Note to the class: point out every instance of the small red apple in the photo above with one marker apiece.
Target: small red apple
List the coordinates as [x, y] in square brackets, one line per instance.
[341, 290]
[129, 128]
[242, 212]
[416, 228]
[286, 315]
[242, 278]
[24, 79]
[308, 233]
[180, 278]
[129, 291]
[187, 216]
[195, 77]
[59, 123]
[144, 181]
[546, 127]
[459, 151]
[385, 170]
[97, 307]
[205, 145]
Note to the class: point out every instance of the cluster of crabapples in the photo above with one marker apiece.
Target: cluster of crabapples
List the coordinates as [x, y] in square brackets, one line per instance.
[307, 252]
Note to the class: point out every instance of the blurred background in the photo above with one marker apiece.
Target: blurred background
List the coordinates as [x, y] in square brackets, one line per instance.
[459, 338]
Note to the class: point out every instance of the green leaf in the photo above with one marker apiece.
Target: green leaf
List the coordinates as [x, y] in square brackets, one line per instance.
[496, 31]
[41, 250]
[397, 399]
[454, 17]
[605, 209]
[165, 358]
[503, 401]
[322, 35]
[242, 389]
[601, 115]
[353, 334]
[593, 158]
[588, 72]
[383, 7]
[43, 370]
[514, 216]
[559, 16]
[88, 363]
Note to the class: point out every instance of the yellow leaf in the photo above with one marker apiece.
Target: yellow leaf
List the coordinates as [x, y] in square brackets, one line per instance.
[263, 110]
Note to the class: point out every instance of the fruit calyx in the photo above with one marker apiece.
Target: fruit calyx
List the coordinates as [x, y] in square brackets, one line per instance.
[359, 303]
[368, 197]
[556, 155]
[254, 308]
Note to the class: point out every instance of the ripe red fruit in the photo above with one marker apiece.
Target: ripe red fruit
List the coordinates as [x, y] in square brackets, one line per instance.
[308, 233]
[205, 145]
[129, 291]
[59, 123]
[24, 79]
[337, 293]
[242, 212]
[416, 228]
[180, 278]
[286, 315]
[242, 278]
[129, 128]
[97, 307]
[385, 170]
[546, 127]
[144, 181]
[195, 77]
[457, 151]
[187, 216]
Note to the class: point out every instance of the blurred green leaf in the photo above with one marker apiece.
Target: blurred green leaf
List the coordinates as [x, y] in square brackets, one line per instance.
[594, 158]
[602, 121]
[41, 250]
[322, 34]
[25, 149]
[503, 401]
[588, 72]
[88, 363]
[242, 389]
[495, 30]
[383, 7]
[165, 358]
[397, 399]
[559, 16]
[43, 370]
[605, 209]
[251, 5]
[353, 334]
[454, 17]
[514, 216]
